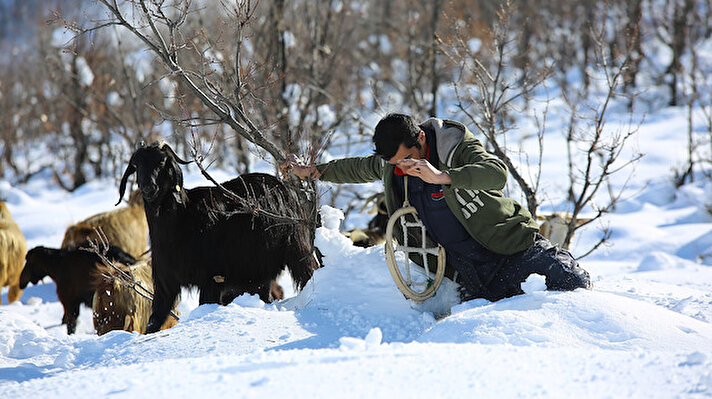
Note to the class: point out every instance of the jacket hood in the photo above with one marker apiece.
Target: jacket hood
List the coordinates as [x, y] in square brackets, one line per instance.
[449, 134]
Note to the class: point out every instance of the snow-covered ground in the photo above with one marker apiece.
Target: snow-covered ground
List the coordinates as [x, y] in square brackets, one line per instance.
[644, 331]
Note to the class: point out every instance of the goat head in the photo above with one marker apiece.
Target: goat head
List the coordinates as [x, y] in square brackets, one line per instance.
[34, 270]
[157, 173]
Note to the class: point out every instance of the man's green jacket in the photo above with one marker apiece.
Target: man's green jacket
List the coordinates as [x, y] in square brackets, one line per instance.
[475, 195]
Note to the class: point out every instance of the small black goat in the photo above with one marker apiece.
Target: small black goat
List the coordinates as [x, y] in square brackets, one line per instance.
[72, 271]
[204, 237]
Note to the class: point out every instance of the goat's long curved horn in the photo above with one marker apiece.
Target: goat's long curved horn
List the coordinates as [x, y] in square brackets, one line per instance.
[167, 148]
[130, 169]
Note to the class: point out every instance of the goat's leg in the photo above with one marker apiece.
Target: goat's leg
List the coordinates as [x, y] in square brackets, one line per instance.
[210, 293]
[276, 291]
[15, 291]
[65, 316]
[14, 294]
[264, 291]
[71, 313]
[163, 301]
[229, 292]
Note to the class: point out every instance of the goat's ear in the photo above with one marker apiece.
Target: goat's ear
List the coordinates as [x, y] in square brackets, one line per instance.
[176, 182]
[122, 187]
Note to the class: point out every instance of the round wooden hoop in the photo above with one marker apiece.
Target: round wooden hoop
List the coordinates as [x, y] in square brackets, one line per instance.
[403, 284]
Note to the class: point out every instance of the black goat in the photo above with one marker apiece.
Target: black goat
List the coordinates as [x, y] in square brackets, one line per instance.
[72, 271]
[223, 244]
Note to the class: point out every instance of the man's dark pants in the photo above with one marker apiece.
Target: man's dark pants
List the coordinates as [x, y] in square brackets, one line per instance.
[501, 276]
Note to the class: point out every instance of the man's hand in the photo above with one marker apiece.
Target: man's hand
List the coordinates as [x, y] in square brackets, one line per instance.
[292, 164]
[424, 170]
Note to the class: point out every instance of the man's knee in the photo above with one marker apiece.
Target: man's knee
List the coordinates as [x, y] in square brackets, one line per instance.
[561, 269]
[567, 274]
[570, 280]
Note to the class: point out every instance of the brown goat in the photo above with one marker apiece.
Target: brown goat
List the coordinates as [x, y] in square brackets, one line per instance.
[12, 254]
[71, 270]
[117, 306]
[375, 234]
[125, 228]
[555, 226]
[366, 238]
